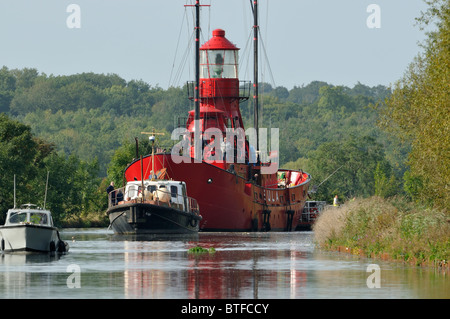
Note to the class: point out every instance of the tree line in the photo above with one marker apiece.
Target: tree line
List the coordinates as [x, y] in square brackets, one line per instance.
[418, 111]
[73, 184]
[95, 118]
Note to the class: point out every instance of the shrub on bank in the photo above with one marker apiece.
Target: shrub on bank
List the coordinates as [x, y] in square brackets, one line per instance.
[87, 220]
[386, 227]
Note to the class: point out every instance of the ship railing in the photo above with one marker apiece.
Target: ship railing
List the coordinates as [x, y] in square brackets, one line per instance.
[312, 211]
[244, 91]
[181, 121]
[193, 205]
[123, 195]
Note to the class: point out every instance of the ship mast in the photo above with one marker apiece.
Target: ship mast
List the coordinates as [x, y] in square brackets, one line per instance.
[197, 145]
[255, 75]
[197, 141]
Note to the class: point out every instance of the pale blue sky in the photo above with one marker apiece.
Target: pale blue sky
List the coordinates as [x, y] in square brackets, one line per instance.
[326, 40]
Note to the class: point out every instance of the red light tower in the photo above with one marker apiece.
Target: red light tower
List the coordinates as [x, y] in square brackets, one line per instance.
[219, 87]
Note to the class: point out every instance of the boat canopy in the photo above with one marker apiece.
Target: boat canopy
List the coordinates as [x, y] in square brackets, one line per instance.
[29, 214]
[176, 189]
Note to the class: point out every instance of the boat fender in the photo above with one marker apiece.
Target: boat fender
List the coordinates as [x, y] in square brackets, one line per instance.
[193, 222]
[61, 246]
[266, 220]
[3, 244]
[255, 224]
[266, 227]
[52, 246]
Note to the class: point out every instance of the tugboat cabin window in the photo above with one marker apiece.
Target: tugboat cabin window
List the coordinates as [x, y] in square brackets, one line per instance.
[151, 188]
[173, 191]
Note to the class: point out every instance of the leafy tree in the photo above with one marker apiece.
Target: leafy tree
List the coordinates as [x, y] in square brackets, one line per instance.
[346, 168]
[123, 156]
[72, 182]
[413, 185]
[93, 115]
[385, 181]
[419, 110]
[333, 99]
[17, 152]
[25, 78]
[119, 161]
[306, 94]
[7, 89]
[281, 92]
[18, 148]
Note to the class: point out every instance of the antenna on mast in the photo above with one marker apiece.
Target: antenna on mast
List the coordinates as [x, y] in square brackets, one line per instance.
[46, 186]
[152, 140]
[14, 190]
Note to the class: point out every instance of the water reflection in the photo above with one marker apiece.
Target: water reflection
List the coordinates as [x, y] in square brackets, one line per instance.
[241, 266]
[20, 270]
[244, 265]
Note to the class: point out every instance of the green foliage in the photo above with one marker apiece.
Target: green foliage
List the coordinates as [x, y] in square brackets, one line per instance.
[356, 164]
[82, 128]
[124, 156]
[412, 185]
[200, 250]
[7, 89]
[386, 184]
[394, 226]
[98, 116]
[72, 185]
[126, 153]
[91, 115]
[419, 111]
[18, 153]
[319, 113]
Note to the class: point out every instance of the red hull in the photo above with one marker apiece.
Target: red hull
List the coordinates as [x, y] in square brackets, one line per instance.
[228, 201]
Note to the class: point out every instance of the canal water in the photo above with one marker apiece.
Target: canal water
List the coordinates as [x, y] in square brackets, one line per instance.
[101, 264]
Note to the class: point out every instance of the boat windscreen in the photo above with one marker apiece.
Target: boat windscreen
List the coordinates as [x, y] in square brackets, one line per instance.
[38, 218]
[17, 217]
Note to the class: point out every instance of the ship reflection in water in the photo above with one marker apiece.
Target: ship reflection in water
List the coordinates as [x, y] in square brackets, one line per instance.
[243, 266]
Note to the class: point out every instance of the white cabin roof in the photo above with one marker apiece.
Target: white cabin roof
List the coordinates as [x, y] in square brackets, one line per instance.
[156, 182]
[43, 216]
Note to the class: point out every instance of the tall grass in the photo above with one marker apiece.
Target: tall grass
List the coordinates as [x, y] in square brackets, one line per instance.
[387, 227]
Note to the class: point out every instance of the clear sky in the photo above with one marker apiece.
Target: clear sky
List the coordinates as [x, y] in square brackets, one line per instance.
[304, 40]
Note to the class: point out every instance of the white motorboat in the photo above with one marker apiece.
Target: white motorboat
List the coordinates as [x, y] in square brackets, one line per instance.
[30, 228]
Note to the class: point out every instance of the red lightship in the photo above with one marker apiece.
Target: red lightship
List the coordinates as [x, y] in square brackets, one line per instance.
[236, 192]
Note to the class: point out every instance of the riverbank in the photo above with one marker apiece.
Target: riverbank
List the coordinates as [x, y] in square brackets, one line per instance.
[97, 219]
[389, 229]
